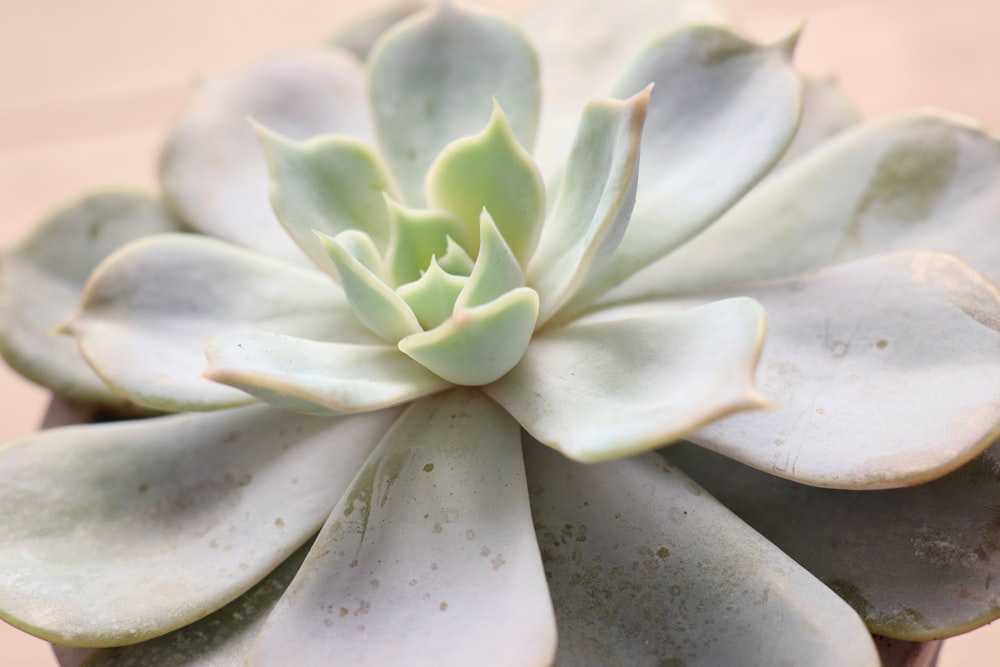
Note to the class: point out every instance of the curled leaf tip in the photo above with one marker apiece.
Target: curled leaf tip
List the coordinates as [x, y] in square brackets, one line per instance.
[787, 44]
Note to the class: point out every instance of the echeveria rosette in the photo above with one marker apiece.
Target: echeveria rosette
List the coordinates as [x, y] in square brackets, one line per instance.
[433, 520]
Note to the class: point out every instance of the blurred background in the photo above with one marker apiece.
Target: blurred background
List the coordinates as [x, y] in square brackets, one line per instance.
[87, 90]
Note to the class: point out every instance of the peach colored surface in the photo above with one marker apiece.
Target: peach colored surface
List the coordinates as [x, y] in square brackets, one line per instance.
[88, 88]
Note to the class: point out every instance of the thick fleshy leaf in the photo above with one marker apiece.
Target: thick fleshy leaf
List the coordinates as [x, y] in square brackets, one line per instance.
[917, 563]
[433, 296]
[212, 169]
[416, 235]
[148, 312]
[375, 304]
[478, 345]
[42, 278]
[584, 48]
[627, 380]
[911, 182]
[455, 259]
[361, 36]
[826, 112]
[721, 115]
[329, 184]
[222, 639]
[432, 81]
[116, 533]
[491, 171]
[645, 568]
[496, 270]
[884, 372]
[318, 377]
[595, 202]
[430, 557]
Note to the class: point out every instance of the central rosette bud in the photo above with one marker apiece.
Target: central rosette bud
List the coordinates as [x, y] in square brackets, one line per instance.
[448, 287]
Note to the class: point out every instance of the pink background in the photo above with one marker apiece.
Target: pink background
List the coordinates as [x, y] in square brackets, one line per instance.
[88, 88]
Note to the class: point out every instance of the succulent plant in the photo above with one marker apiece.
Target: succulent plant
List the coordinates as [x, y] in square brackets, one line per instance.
[485, 395]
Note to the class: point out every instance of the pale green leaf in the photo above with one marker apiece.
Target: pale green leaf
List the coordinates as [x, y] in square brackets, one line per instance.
[595, 202]
[116, 533]
[416, 235]
[150, 308]
[491, 170]
[328, 184]
[918, 563]
[375, 304]
[430, 558]
[433, 296]
[496, 270]
[432, 80]
[628, 380]
[455, 259]
[919, 181]
[883, 372]
[315, 376]
[212, 169]
[645, 568]
[42, 278]
[478, 345]
[722, 112]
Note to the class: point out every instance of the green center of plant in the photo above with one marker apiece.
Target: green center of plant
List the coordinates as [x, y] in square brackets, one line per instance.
[449, 287]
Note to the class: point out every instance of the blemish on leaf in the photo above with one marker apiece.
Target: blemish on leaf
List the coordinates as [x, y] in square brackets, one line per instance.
[279, 522]
[851, 595]
[911, 178]
[443, 606]
[882, 344]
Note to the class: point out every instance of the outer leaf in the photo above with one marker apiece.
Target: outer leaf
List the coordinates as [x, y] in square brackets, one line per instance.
[595, 202]
[42, 278]
[629, 380]
[646, 568]
[212, 169]
[149, 310]
[222, 639]
[584, 48]
[117, 533]
[721, 115]
[329, 184]
[918, 563]
[359, 37]
[912, 182]
[826, 112]
[318, 377]
[885, 372]
[432, 79]
[478, 345]
[491, 171]
[430, 558]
